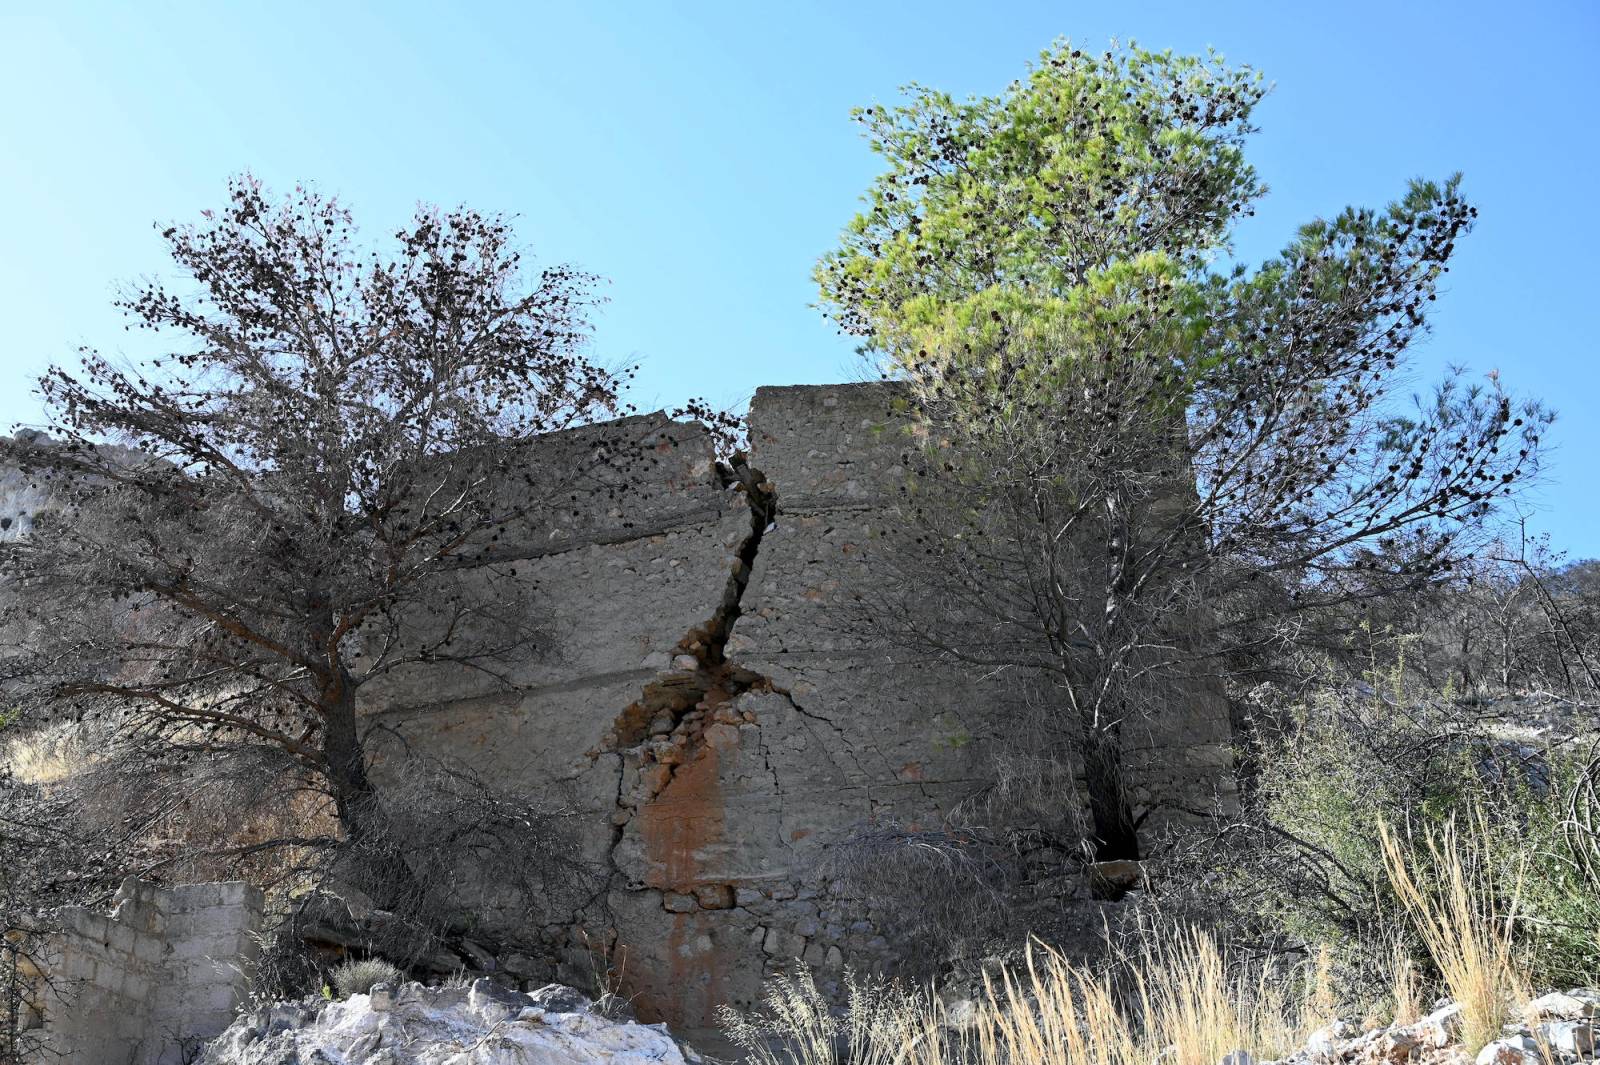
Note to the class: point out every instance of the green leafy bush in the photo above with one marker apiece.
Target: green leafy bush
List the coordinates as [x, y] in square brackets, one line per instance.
[1308, 863]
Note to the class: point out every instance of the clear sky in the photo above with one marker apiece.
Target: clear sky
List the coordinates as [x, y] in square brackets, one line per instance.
[700, 156]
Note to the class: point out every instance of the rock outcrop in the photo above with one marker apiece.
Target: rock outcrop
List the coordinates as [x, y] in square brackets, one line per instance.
[483, 1024]
[1553, 1029]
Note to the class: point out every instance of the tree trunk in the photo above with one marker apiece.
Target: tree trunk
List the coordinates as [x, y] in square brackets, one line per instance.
[374, 861]
[1116, 832]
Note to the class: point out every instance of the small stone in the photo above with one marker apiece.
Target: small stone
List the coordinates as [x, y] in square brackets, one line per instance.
[559, 998]
[714, 896]
[673, 902]
[685, 662]
[1238, 1057]
[1113, 879]
[1325, 1041]
[834, 958]
[381, 998]
[1513, 1050]
[747, 896]
[493, 1003]
[519, 965]
[1396, 1046]
[661, 725]
[481, 959]
[781, 944]
[1574, 1038]
[1441, 1027]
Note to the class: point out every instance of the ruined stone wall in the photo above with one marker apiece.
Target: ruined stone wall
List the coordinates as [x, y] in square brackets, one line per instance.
[715, 705]
[713, 702]
[147, 984]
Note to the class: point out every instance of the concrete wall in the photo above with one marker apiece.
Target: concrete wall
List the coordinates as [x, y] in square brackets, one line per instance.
[167, 969]
[714, 778]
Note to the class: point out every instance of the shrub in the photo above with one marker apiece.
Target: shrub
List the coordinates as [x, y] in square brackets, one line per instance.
[360, 977]
[796, 1024]
[1307, 865]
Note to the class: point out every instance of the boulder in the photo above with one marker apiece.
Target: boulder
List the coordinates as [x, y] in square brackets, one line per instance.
[1572, 1038]
[1441, 1027]
[1566, 1007]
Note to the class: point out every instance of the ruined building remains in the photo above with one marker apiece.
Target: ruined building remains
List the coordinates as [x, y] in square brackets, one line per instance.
[722, 714]
[715, 708]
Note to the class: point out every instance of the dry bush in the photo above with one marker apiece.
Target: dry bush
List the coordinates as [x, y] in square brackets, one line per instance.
[942, 894]
[45, 756]
[360, 977]
[796, 1024]
[479, 861]
[1468, 934]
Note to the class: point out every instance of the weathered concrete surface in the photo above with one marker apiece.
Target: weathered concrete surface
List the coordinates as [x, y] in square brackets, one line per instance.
[148, 984]
[721, 709]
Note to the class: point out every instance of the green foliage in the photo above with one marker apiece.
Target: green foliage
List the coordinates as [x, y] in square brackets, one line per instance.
[1348, 764]
[1089, 161]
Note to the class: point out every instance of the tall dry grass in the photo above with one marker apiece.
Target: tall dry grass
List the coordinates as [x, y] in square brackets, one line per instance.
[1467, 923]
[1177, 996]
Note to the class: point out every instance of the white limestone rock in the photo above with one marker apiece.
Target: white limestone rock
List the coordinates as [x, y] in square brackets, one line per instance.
[416, 1025]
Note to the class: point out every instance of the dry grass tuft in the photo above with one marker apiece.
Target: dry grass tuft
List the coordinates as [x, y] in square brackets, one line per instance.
[880, 1024]
[1456, 916]
[1180, 997]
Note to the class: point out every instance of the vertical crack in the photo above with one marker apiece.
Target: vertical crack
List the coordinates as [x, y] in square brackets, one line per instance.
[661, 731]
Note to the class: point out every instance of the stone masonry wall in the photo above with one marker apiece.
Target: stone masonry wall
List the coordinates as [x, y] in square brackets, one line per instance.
[166, 970]
[714, 705]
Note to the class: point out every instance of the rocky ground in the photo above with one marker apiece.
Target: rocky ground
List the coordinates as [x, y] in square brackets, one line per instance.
[1557, 1028]
[484, 1024]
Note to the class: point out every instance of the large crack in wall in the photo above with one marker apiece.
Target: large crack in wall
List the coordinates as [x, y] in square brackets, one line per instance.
[702, 677]
[677, 707]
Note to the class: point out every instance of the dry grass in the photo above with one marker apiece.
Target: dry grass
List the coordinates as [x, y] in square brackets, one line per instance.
[1405, 987]
[1179, 997]
[880, 1025]
[46, 756]
[360, 977]
[1455, 913]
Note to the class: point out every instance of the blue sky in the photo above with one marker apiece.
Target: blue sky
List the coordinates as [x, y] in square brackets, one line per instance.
[700, 157]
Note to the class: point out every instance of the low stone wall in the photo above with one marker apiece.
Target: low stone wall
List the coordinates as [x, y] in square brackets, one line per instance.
[149, 983]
